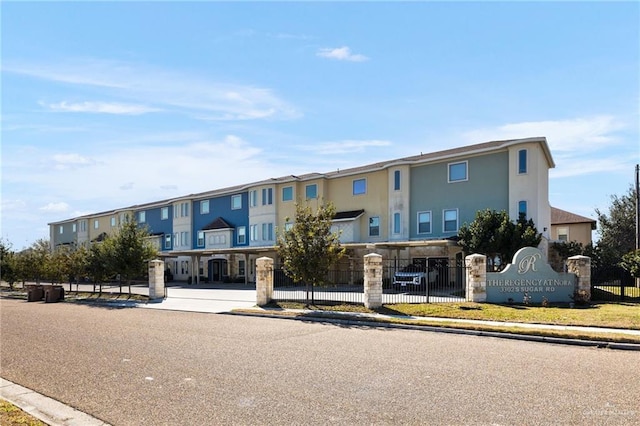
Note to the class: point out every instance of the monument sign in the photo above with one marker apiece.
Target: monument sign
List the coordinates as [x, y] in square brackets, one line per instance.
[529, 279]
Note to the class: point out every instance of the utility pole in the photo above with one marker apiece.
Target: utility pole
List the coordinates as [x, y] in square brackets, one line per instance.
[637, 206]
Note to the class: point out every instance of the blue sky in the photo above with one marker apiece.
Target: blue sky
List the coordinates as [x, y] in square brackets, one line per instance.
[106, 105]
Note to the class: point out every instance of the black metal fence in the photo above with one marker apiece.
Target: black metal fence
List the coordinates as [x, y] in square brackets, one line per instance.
[615, 286]
[420, 281]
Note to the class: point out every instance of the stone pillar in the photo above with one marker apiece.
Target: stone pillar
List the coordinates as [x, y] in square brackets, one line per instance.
[476, 277]
[373, 281]
[581, 266]
[156, 279]
[264, 280]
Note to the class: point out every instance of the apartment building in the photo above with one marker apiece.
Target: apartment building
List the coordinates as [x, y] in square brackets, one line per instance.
[402, 208]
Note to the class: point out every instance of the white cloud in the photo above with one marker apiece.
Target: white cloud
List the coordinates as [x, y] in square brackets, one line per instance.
[584, 133]
[101, 107]
[341, 54]
[580, 146]
[71, 161]
[140, 88]
[59, 207]
[343, 147]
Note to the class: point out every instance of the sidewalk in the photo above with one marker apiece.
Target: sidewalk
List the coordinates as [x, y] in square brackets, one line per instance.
[48, 410]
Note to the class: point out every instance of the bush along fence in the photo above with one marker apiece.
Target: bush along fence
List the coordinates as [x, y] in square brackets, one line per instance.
[528, 279]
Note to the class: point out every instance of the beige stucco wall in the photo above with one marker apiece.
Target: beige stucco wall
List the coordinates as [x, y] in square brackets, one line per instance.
[375, 202]
[578, 232]
[104, 225]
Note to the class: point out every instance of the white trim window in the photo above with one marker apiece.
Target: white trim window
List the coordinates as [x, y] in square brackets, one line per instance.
[242, 234]
[204, 207]
[200, 238]
[311, 191]
[142, 217]
[396, 223]
[522, 161]
[164, 213]
[236, 202]
[267, 231]
[374, 226]
[563, 234]
[450, 220]
[167, 241]
[267, 196]
[253, 232]
[424, 222]
[396, 180]
[458, 172]
[253, 198]
[96, 224]
[287, 193]
[522, 208]
[113, 222]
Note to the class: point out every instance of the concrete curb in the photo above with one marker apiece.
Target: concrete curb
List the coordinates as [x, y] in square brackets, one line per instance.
[43, 408]
[356, 320]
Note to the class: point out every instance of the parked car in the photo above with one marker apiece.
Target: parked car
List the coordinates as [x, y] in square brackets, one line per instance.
[414, 277]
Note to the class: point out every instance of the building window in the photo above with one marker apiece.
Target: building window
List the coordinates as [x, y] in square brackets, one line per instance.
[242, 235]
[451, 220]
[267, 196]
[204, 207]
[241, 268]
[424, 222]
[253, 198]
[200, 238]
[164, 213]
[522, 209]
[184, 209]
[73, 227]
[396, 180]
[167, 241]
[113, 222]
[311, 191]
[287, 193]
[396, 223]
[60, 229]
[563, 234]
[359, 186]
[288, 226]
[253, 232]
[236, 202]
[458, 172]
[83, 226]
[142, 217]
[96, 224]
[184, 239]
[267, 231]
[522, 161]
[374, 226]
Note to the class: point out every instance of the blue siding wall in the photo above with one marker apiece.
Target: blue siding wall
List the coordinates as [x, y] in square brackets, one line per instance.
[221, 207]
[156, 225]
[487, 187]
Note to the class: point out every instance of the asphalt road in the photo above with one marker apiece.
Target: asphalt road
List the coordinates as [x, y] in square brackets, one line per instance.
[140, 366]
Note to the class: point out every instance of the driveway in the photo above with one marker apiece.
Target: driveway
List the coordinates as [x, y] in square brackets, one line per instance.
[211, 298]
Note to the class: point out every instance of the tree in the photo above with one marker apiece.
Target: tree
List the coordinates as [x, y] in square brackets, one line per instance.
[618, 227]
[130, 251]
[309, 248]
[8, 264]
[631, 263]
[495, 235]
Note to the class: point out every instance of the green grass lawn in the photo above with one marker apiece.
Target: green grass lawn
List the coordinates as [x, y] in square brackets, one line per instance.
[614, 315]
